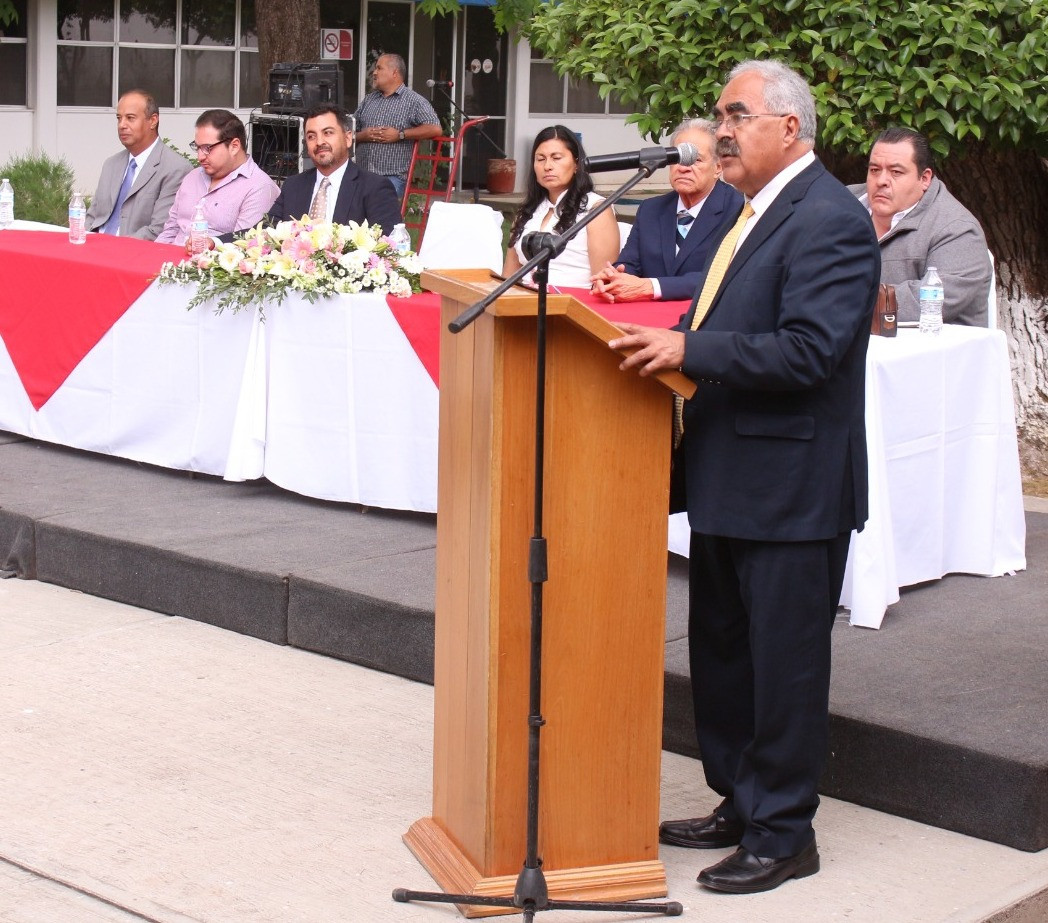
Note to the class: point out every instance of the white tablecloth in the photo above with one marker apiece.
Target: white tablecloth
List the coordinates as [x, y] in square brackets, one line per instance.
[330, 400]
[945, 487]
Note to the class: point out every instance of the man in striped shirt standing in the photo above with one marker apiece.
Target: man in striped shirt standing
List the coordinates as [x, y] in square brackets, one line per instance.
[390, 119]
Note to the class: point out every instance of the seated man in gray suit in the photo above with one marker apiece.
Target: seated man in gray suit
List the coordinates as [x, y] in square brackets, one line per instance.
[138, 185]
[919, 224]
[672, 233]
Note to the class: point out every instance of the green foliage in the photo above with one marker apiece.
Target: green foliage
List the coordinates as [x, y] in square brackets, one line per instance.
[42, 187]
[960, 73]
[8, 13]
[508, 13]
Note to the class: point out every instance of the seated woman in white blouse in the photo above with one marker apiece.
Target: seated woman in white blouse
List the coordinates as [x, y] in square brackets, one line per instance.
[559, 192]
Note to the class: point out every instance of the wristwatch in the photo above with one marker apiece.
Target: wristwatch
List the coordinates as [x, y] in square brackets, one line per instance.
[402, 136]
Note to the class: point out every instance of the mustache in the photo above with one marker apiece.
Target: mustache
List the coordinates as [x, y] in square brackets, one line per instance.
[726, 147]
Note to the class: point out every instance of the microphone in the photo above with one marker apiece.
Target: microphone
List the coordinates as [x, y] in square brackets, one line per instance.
[446, 84]
[653, 157]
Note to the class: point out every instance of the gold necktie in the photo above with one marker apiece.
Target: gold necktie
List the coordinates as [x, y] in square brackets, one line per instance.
[318, 210]
[714, 278]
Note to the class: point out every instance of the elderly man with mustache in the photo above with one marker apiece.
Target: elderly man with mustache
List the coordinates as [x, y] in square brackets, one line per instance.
[773, 456]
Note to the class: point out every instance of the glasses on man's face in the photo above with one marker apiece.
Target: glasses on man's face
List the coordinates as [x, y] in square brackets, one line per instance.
[202, 150]
[735, 120]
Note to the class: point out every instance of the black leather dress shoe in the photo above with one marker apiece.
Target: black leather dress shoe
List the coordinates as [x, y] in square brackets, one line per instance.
[744, 873]
[709, 832]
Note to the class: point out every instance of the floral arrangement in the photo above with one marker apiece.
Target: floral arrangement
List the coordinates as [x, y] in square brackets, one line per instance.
[312, 258]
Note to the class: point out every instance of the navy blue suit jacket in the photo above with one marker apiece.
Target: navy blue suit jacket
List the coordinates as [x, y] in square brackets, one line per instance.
[775, 435]
[363, 196]
[651, 250]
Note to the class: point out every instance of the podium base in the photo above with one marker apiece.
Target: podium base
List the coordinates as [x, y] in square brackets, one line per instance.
[455, 874]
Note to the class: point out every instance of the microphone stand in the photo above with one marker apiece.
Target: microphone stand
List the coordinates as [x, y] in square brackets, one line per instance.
[480, 131]
[531, 894]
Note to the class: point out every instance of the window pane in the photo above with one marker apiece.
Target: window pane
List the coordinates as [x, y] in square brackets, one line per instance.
[547, 89]
[85, 22]
[208, 22]
[583, 96]
[12, 74]
[17, 27]
[389, 30]
[486, 89]
[150, 69]
[153, 22]
[207, 79]
[248, 36]
[85, 76]
[616, 107]
[250, 81]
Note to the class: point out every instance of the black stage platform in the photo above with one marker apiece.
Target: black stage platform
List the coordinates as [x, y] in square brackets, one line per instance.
[941, 716]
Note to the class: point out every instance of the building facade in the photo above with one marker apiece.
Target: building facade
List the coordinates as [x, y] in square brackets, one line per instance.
[63, 65]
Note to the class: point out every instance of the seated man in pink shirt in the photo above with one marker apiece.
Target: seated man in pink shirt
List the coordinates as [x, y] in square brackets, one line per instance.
[232, 188]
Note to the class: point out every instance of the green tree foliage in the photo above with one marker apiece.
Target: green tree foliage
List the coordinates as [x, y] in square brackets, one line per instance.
[957, 72]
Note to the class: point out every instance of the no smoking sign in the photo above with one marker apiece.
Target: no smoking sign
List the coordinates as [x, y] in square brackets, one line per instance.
[336, 44]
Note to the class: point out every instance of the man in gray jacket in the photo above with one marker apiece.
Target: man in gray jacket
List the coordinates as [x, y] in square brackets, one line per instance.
[919, 224]
[137, 186]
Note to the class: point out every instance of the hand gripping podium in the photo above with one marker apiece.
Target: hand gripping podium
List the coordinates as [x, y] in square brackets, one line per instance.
[607, 457]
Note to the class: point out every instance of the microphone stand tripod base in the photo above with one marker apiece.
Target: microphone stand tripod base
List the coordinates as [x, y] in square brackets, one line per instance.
[457, 876]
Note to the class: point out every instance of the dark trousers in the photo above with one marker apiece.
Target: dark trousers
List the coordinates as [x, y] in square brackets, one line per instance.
[759, 635]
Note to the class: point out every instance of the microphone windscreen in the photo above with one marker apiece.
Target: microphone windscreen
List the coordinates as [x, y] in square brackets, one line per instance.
[688, 154]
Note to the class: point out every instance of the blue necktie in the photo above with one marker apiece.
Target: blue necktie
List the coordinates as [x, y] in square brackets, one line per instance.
[684, 220]
[112, 226]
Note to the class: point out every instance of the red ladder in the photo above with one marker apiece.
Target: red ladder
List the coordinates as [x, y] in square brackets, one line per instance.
[434, 183]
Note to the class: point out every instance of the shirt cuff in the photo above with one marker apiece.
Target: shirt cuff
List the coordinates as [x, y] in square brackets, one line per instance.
[656, 290]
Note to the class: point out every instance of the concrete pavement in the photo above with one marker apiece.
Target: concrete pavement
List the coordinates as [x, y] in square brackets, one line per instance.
[157, 768]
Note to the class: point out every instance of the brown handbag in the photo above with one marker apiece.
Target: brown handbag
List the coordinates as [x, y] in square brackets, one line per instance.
[885, 312]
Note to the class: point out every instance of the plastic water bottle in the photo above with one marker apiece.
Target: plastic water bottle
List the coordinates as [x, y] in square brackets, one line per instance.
[7, 204]
[400, 239]
[198, 231]
[77, 219]
[931, 298]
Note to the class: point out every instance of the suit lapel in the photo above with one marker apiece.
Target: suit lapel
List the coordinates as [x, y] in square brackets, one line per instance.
[667, 225]
[148, 169]
[704, 226]
[779, 210]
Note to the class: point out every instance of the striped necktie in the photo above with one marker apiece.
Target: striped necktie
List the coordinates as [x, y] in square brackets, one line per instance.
[318, 210]
[684, 220]
[714, 278]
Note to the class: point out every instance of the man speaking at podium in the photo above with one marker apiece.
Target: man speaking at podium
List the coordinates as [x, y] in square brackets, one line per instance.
[774, 462]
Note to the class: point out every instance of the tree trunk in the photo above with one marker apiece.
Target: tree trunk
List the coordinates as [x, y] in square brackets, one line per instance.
[1007, 190]
[288, 30]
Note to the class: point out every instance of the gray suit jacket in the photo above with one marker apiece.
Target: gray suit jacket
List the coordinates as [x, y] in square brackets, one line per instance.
[938, 232]
[149, 201]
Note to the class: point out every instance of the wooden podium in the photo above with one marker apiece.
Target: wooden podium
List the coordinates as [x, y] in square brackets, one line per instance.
[607, 456]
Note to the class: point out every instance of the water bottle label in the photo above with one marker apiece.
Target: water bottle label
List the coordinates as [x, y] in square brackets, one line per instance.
[930, 293]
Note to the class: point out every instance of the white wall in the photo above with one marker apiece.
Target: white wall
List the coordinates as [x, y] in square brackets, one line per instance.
[600, 134]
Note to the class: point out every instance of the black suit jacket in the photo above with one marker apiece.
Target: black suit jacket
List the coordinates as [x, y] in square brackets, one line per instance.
[651, 250]
[775, 436]
[362, 197]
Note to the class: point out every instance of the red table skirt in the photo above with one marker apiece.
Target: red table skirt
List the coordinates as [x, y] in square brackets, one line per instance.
[419, 318]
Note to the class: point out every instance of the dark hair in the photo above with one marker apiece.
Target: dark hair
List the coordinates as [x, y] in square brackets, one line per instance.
[147, 98]
[225, 123]
[575, 199]
[922, 152]
[337, 111]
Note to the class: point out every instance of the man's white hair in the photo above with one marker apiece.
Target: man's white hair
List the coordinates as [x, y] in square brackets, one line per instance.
[785, 92]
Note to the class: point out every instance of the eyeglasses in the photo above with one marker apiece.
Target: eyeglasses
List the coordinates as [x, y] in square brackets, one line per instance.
[204, 149]
[735, 120]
